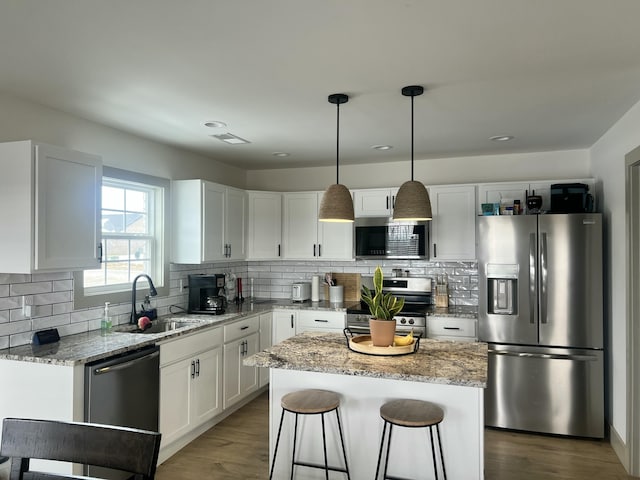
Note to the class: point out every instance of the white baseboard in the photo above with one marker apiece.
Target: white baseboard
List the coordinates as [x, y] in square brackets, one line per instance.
[620, 448]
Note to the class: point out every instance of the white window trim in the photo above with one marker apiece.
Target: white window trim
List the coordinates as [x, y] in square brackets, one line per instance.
[161, 282]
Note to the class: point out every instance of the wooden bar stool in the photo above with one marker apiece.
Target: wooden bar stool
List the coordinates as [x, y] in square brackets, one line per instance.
[311, 402]
[412, 414]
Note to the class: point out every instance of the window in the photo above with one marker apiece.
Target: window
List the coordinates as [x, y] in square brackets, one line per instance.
[133, 238]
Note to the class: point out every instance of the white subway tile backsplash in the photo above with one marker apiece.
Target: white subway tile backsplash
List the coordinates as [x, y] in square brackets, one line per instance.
[52, 294]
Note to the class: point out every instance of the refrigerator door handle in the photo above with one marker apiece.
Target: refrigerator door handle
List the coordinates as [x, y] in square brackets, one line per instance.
[553, 356]
[532, 277]
[543, 278]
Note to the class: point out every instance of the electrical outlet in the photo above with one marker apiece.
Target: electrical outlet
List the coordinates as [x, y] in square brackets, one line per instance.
[26, 307]
[181, 284]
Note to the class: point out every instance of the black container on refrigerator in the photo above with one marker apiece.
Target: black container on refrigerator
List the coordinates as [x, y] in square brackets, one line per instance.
[541, 311]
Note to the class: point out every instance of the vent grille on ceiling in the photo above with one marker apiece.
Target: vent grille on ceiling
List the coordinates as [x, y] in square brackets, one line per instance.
[230, 139]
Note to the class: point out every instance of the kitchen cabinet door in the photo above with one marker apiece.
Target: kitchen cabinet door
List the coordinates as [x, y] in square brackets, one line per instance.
[175, 401]
[206, 386]
[505, 192]
[306, 238]
[453, 228]
[235, 223]
[264, 230]
[50, 208]
[320, 321]
[265, 342]
[374, 202]
[239, 380]
[213, 222]
[452, 328]
[300, 225]
[284, 324]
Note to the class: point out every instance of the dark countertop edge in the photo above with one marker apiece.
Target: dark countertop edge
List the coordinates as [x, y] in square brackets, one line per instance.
[89, 350]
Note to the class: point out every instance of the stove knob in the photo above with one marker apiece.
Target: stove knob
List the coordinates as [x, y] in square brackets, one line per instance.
[411, 321]
[403, 321]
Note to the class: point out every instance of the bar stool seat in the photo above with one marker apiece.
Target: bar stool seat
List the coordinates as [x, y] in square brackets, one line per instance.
[411, 414]
[311, 402]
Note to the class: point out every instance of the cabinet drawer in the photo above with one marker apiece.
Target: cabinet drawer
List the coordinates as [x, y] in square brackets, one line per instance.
[188, 346]
[320, 319]
[241, 328]
[451, 327]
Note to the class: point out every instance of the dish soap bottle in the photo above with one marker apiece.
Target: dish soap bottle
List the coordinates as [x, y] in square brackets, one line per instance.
[106, 323]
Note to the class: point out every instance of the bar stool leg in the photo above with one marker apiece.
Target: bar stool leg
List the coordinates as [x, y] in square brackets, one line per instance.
[384, 432]
[433, 453]
[293, 456]
[386, 461]
[324, 449]
[344, 451]
[444, 471]
[275, 452]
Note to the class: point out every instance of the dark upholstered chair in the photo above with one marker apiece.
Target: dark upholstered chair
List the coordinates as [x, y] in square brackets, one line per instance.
[128, 449]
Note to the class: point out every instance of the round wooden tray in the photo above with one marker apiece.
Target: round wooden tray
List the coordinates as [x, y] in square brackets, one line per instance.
[363, 344]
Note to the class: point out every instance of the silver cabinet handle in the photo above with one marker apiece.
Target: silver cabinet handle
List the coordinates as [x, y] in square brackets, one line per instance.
[198, 367]
[553, 356]
[193, 369]
[120, 366]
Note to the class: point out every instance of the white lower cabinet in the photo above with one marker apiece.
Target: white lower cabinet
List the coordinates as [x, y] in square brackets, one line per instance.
[452, 328]
[190, 383]
[320, 321]
[284, 324]
[241, 340]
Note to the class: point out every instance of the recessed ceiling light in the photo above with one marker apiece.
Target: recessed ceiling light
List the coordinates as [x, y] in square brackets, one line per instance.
[382, 147]
[280, 154]
[501, 138]
[231, 139]
[215, 124]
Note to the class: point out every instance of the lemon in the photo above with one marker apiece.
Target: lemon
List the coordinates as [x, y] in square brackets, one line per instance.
[402, 341]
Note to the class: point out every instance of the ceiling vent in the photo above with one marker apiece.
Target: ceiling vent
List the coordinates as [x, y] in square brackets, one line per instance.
[231, 139]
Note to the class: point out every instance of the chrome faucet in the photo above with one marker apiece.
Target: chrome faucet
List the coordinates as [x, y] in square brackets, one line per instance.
[152, 292]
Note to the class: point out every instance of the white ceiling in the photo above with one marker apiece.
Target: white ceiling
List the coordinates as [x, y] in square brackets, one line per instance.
[556, 74]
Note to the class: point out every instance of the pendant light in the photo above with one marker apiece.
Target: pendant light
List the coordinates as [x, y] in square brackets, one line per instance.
[412, 200]
[337, 204]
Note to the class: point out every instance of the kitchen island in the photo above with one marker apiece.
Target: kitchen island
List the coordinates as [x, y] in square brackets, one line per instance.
[450, 374]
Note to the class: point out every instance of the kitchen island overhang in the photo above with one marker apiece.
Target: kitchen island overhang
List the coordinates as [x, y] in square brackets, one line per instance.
[450, 374]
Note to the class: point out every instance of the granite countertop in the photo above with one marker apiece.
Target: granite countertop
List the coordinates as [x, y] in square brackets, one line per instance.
[91, 346]
[436, 361]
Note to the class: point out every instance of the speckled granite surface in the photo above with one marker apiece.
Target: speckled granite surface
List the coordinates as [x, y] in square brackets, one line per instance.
[91, 346]
[436, 361]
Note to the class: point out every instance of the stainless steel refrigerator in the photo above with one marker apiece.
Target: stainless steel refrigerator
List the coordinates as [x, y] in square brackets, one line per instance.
[540, 310]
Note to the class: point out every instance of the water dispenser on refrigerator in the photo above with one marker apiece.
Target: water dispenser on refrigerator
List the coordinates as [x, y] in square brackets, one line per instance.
[502, 289]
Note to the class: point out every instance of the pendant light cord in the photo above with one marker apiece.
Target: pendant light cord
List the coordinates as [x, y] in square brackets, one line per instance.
[337, 143]
[412, 97]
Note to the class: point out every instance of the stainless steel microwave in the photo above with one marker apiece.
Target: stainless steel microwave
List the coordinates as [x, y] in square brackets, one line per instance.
[380, 237]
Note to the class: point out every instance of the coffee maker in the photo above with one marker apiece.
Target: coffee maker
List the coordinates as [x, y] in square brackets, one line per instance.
[207, 294]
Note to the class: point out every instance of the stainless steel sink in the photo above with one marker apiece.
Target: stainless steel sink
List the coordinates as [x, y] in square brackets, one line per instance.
[158, 326]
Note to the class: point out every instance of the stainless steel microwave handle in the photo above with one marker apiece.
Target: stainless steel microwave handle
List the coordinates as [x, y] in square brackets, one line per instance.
[532, 277]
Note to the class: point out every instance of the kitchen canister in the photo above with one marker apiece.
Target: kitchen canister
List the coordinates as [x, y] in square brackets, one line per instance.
[315, 288]
[336, 294]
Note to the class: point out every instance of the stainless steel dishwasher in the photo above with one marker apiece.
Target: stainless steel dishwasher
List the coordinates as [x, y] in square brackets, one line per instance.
[123, 390]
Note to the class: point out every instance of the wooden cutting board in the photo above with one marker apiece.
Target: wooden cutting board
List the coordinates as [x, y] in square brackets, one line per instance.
[351, 284]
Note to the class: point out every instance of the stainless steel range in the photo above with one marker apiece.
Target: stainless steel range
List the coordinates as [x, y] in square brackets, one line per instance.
[417, 294]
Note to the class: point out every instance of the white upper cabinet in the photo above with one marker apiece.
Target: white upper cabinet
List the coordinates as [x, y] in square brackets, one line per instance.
[264, 231]
[453, 228]
[306, 238]
[208, 222]
[374, 202]
[235, 223]
[50, 208]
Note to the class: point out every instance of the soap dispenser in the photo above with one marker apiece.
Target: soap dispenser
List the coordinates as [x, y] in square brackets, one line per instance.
[106, 323]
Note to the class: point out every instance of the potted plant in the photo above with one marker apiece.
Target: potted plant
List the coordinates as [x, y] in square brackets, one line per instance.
[383, 307]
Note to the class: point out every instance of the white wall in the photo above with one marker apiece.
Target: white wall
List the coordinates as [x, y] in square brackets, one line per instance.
[480, 169]
[22, 120]
[608, 162]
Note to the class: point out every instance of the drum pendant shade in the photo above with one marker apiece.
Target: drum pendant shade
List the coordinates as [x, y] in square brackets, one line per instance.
[412, 200]
[337, 204]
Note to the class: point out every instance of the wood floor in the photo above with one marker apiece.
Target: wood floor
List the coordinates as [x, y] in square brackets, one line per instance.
[237, 448]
